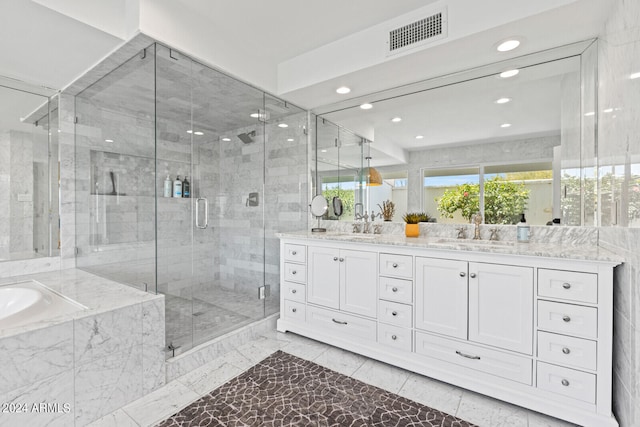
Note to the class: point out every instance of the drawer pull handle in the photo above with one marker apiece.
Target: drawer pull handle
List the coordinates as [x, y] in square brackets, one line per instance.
[472, 275]
[393, 337]
[566, 350]
[293, 291]
[565, 383]
[339, 322]
[294, 253]
[566, 318]
[294, 309]
[335, 258]
[468, 356]
[566, 285]
[394, 313]
[294, 272]
[395, 265]
[462, 274]
[341, 259]
[394, 289]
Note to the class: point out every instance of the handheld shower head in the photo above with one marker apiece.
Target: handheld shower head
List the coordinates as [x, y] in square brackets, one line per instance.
[247, 137]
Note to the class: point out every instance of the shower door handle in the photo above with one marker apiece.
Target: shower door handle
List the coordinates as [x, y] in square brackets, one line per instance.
[206, 213]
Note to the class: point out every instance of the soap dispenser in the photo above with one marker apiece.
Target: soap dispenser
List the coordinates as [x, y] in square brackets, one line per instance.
[177, 187]
[186, 188]
[522, 230]
[168, 187]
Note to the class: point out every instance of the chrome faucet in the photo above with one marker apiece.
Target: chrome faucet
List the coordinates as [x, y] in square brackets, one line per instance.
[462, 233]
[477, 220]
[494, 234]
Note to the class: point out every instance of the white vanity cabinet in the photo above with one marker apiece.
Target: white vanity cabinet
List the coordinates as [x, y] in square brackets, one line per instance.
[525, 327]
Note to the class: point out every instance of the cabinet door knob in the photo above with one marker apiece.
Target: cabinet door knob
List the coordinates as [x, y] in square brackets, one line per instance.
[566, 350]
[341, 259]
[294, 309]
[394, 289]
[395, 265]
[565, 383]
[566, 318]
[472, 275]
[394, 313]
[566, 285]
[335, 258]
[462, 274]
[293, 272]
[294, 253]
[393, 337]
[293, 291]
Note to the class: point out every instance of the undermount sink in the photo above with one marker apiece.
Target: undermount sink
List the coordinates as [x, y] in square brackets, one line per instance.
[361, 236]
[475, 242]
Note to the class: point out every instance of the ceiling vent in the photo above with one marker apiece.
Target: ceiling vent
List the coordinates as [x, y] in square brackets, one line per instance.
[417, 33]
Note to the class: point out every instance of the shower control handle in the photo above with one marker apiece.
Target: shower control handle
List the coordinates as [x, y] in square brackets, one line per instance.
[206, 213]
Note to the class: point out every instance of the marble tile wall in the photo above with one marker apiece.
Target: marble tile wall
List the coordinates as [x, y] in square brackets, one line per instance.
[533, 148]
[618, 162]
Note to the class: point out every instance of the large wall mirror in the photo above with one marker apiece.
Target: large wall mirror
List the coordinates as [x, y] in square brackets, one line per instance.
[504, 139]
[29, 172]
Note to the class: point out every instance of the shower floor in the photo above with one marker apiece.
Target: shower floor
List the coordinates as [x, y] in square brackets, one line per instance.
[214, 312]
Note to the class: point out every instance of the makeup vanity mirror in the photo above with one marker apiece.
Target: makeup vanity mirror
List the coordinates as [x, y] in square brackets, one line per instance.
[508, 137]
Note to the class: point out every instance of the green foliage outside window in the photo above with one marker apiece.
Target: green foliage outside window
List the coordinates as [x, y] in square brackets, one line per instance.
[504, 201]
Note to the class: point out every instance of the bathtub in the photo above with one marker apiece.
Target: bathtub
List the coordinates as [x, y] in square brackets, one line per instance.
[30, 301]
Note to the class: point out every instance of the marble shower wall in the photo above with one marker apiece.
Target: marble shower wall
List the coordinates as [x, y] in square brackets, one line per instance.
[619, 171]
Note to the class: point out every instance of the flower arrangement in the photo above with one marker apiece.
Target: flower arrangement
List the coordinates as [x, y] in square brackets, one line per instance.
[387, 209]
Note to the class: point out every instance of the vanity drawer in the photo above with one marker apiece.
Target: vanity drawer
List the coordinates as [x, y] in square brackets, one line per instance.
[567, 351]
[295, 272]
[567, 382]
[396, 265]
[505, 365]
[341, 325]
[394, 336]
[398, 290]
[295, 253]
[568, 319]
[568, 285]
[395, 313]
[294, 292]
[294, 311]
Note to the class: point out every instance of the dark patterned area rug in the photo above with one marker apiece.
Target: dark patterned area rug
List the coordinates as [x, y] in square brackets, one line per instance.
[284, 390]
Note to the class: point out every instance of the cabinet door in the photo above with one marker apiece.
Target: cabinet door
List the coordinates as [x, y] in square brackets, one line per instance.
[441, 296]
[323, 271]
[359, 280]
[501, 306]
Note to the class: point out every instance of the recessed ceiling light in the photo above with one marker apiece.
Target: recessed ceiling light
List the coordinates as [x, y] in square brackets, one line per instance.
[608, 110]
[255, 115]
[108, 140]
[189, 131]
[226, 139]
[590, 113]
[396, 119]
[366, 106]
[419, 136]
[508, 45]
[505, 125]
[283, 125]
[323, 151]
[198, 133]
[634, 76]
[503, 100]
[509, 73]
[342, 90]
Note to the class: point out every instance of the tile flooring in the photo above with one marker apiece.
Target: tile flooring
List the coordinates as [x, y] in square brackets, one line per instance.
[467, 405]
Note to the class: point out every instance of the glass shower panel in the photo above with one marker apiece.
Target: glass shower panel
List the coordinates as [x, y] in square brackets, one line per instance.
[115, 170]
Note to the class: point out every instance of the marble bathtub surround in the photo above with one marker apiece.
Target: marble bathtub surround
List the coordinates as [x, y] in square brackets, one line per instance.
[284, 389]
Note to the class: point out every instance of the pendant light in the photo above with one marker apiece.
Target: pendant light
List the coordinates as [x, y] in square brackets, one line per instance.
[374, 178]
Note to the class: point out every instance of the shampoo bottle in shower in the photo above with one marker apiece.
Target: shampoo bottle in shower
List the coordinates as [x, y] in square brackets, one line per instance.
[177, 187]
[168, 187]
[186, 188]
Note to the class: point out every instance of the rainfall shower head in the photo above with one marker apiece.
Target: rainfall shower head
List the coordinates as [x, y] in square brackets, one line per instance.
[247, 138]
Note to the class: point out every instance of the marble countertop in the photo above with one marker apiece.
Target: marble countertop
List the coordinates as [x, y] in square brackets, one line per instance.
[582, 252]
[96, 293]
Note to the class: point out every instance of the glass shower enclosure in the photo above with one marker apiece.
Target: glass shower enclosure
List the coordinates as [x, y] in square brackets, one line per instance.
[162, 116]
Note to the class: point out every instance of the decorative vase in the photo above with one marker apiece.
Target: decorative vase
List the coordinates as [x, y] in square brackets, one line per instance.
[412, 230]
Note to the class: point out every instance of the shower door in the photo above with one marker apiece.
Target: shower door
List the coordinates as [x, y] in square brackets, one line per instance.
[210, 128]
